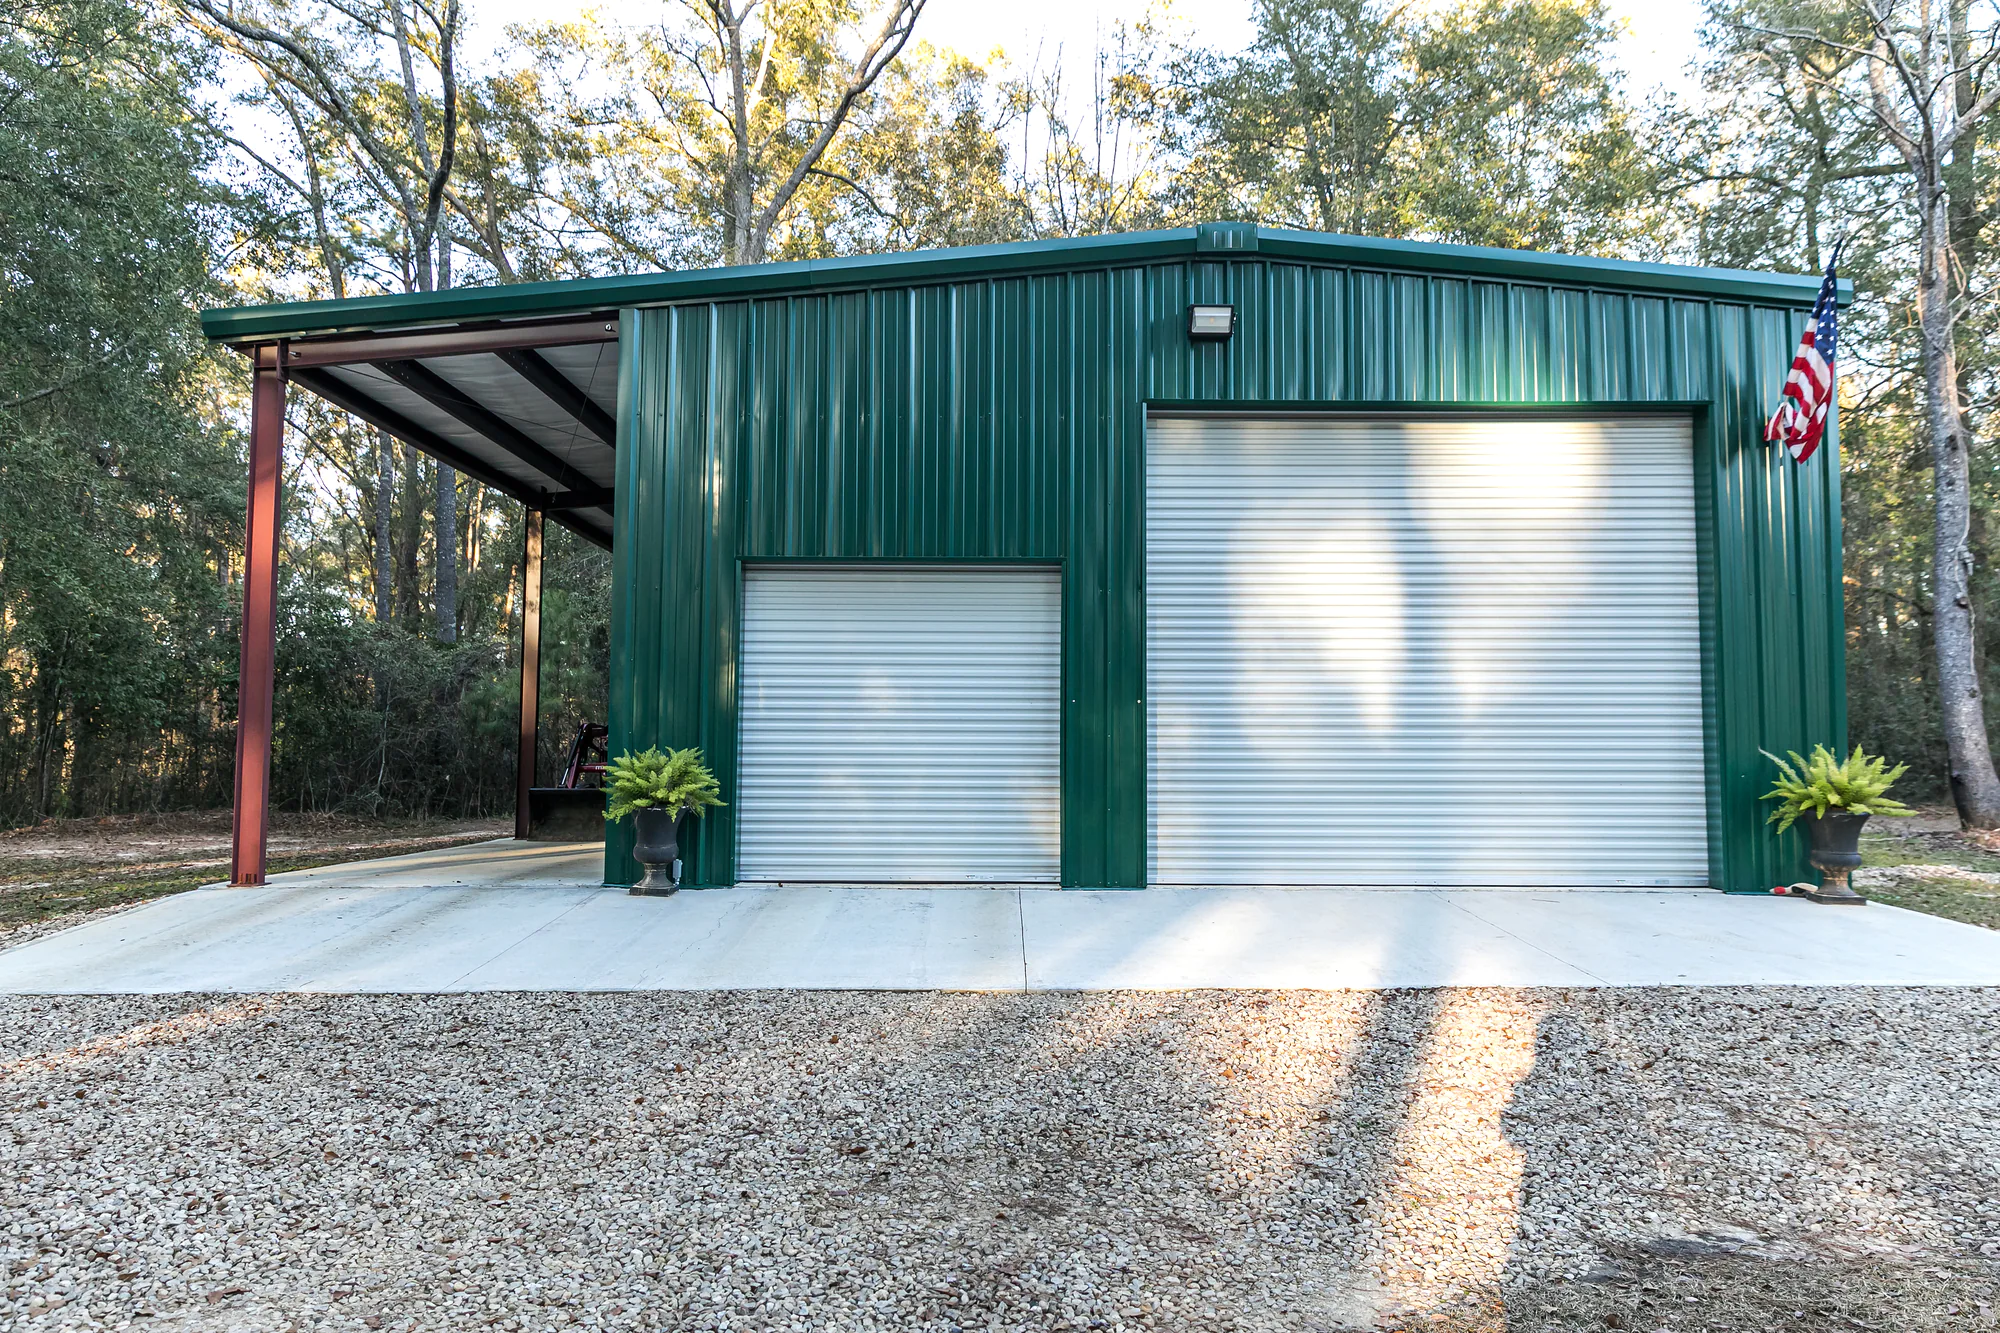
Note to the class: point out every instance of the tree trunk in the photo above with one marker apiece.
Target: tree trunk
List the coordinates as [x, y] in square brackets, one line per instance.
[1975, 787]
[385, 501]
[445, 535]
[408, 595]
[446, 541]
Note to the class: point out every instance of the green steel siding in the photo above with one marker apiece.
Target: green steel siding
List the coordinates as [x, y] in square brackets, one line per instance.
[1003, 418]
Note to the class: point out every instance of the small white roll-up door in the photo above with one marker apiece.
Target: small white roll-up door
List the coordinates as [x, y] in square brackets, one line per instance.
[900, 723]
[1423, 651]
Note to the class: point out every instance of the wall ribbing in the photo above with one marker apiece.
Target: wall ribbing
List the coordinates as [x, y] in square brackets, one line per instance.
[1004, 418]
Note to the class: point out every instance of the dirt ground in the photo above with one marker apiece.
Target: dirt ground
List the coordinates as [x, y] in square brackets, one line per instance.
[55, 874]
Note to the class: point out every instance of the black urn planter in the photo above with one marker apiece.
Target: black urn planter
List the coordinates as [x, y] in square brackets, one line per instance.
[1836, 851]
[656, 845]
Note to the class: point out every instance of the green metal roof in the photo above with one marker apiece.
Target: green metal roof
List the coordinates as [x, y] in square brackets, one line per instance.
[587, 295]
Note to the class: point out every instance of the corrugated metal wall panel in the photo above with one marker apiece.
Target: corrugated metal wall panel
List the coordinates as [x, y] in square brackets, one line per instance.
[900, 724]
[1019, 434]
[1423, 652]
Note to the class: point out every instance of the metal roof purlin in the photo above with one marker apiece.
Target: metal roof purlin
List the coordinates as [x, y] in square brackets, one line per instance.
[446, 397]
[1211, 243]
[383, 417]
[556, 387]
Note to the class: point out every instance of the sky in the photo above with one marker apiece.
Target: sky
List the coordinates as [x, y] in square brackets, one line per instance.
[1658, 43]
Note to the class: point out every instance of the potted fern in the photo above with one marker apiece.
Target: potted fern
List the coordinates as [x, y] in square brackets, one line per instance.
[659, 790]
[1834, 797]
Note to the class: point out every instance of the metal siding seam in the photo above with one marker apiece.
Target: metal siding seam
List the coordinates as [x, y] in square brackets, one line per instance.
[727, 351]
[1125, 763]
[619, 688]
[1705, 500]
[844, 502]
[1737, 621]
[1337, 337]
[1489, 343]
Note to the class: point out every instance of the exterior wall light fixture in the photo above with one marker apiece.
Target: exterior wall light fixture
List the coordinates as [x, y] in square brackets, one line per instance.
[1211, 323]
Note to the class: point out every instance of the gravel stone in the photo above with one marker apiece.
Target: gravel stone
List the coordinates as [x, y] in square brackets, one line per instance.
[1186, 1161]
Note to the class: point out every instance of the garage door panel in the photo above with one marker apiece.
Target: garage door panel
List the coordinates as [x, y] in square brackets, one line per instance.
[1423, 652]
[900, 724]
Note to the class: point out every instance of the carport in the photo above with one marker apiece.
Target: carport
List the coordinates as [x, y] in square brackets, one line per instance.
[524, 407]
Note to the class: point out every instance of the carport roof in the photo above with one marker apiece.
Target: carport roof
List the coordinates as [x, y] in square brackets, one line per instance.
[517, 385]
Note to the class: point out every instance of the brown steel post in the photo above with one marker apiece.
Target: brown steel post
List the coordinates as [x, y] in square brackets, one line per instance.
[531, 668]
[256, 666]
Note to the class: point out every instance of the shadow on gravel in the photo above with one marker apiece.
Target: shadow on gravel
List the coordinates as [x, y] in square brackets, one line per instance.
[1696, 1272]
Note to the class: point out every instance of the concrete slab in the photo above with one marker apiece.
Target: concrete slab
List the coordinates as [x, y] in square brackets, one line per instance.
[500, 863]
[1700, 938]
[810, 939]
[508, 916]
[1329, 939]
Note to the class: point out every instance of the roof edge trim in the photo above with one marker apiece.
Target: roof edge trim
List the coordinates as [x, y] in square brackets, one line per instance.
[580, 296]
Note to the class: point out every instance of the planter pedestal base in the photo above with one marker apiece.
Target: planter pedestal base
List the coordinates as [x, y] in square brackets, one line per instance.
[1836, 854]
[1832, 893]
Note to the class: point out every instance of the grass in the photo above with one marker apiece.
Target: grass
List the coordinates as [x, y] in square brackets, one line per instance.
[1971, 898]
[34, 889]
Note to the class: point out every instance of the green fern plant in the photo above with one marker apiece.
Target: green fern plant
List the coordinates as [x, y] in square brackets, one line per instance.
[676, 780]
[1827, 782]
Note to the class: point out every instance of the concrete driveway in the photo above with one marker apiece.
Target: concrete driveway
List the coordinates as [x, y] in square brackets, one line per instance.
[508, 916]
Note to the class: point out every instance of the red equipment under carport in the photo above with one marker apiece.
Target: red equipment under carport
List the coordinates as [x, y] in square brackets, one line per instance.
[573, 809]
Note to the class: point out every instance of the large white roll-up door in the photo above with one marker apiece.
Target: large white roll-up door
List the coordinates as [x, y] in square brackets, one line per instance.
[900, 724]
[1423, 652]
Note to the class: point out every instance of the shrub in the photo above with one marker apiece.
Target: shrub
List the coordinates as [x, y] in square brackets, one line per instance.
[1826, 782]
[676, 780]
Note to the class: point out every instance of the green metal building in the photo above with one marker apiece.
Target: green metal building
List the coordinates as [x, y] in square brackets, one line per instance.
[1207, 556]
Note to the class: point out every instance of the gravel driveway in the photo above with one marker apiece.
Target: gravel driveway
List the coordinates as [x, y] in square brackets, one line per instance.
[1463, 1160]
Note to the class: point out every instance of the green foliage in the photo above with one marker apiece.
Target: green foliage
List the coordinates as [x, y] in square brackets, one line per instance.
[120, 489]
[1827, 782]
[1490, 122]
[676, 780]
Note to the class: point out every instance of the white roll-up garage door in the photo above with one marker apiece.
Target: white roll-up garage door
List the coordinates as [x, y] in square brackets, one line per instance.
[900, 724]
[1423, 652]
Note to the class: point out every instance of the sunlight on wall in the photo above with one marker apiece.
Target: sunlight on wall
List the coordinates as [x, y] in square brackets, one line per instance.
[1336, 597]
[1507, 513]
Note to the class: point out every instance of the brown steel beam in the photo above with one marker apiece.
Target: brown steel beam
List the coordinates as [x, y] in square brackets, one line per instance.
[450, 342]
[531, 669]
[256, 667]
[442, 394]
[556, 387]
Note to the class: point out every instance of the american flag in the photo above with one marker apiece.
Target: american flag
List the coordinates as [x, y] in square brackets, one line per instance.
[1801, 416]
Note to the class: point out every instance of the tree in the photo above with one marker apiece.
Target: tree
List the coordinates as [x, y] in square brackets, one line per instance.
[1925, 78]
[721, 117]
[370, 90]
[1927, 83]
[1495, 122]
[120, 489]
